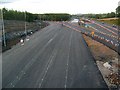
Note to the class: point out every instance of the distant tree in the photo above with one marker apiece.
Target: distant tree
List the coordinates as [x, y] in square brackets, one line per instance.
[18, 15]
[118, 11]
[98, 16]
[111, 15]
[54, 16]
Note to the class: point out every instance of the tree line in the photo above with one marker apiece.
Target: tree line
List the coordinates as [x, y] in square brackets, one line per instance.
[18, 15]
[26, 16]
[100, 16]
[118, 11]
[105, 15]
[55, 16]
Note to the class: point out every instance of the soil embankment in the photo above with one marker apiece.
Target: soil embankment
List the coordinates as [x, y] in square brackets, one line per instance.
[107, 61]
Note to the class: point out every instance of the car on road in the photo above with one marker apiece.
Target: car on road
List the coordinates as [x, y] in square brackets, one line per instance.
[114, 26]
[102, 22]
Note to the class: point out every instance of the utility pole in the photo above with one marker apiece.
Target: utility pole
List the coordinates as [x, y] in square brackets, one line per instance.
[3, 29]
[25, 24]
[27, 39]
[40, 21]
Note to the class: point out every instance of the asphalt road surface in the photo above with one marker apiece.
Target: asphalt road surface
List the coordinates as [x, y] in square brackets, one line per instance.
[55, 57]
[102, 34]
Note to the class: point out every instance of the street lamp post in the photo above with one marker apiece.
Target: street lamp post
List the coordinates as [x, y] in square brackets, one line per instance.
[40, 21]
[25, 24]
[3, 29]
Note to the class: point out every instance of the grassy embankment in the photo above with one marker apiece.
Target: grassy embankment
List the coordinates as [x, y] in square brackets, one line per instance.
[112, 21]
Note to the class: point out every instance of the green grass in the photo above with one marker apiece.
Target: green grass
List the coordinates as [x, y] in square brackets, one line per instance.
[115, 22]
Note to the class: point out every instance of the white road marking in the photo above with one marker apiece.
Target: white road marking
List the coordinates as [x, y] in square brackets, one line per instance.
[22, 44]
[27, 39]
[20, 75]
[66, 77]
[111, 27]
[50, 40]
[48, 65]
[106, 28]
[54, 53]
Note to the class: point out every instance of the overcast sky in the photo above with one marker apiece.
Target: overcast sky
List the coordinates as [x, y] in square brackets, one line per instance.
[62, 6]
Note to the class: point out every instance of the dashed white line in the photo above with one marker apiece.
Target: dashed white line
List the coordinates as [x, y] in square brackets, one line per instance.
[48, 66]
[14, 82]
[66, 77]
